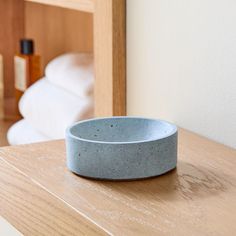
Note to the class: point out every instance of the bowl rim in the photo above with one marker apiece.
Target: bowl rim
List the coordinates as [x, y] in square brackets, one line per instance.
[69, 133]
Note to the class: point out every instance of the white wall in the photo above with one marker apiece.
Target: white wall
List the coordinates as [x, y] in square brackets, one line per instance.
[182, 64]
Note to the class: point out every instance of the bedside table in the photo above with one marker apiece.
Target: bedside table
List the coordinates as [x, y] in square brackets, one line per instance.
[40, 196]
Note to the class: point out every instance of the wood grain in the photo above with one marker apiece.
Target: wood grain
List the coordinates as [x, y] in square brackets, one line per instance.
[81, 5]
[54, 32]
[4, 126]
[11, 30]
[34, 211]
[1, 104]
[110, 57]
[198, 198]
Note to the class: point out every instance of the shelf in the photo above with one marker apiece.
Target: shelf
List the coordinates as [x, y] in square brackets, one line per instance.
[56, 30]
[81, 5]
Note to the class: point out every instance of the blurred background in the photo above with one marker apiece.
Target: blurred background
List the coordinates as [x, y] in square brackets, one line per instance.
[46, 70]
[181, 67]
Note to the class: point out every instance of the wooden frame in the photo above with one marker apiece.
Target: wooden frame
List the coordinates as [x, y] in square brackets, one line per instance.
[11, 30]
[81, 5]
[110, 57]
[109, 50]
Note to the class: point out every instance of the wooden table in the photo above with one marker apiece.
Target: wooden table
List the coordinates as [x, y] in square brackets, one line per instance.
[39, 196]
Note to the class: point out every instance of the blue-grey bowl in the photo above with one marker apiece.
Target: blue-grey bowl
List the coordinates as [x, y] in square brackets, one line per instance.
[121, 148]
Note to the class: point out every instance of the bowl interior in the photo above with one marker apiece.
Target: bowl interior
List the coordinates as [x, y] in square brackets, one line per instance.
[122, 129]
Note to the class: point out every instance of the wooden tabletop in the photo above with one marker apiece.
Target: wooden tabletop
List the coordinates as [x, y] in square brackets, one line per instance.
[39, 196]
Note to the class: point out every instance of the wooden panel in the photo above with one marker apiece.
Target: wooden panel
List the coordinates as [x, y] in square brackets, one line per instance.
[34, 211]
[198, 198]
[11, 30]
[1, 72]
[4, 126]
[110, 58]
[57, 30]
[82, 5]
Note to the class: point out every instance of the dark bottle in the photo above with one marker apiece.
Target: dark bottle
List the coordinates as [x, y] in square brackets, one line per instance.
[27, 67]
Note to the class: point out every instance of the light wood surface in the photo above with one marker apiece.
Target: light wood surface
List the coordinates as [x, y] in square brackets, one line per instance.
[198, 198]
[110, 57]
[81, 5]
[53, 30]
[33, 210]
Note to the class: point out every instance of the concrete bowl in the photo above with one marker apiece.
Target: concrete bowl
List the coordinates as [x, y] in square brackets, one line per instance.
[121, 148]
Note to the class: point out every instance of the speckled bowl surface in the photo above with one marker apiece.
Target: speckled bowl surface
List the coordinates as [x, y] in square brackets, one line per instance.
[121, 148]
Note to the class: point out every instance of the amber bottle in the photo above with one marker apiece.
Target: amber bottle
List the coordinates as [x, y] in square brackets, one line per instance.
[27, 67]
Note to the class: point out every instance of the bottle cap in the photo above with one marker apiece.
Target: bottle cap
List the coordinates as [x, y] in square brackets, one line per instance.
[26, 46]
